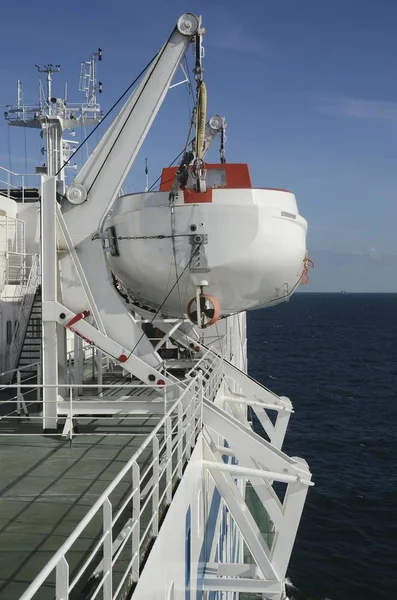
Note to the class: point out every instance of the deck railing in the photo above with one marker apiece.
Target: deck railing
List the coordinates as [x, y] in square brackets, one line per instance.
[13, 181]
[147, 484]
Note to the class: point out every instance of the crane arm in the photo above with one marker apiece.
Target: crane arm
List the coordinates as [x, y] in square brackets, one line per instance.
[84, 273]
[97, 185]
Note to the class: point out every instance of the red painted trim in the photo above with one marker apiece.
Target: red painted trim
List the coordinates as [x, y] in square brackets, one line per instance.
[193, 197]
[237, 176]
[76, 318]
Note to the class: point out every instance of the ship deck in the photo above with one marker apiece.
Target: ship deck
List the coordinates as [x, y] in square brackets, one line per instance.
[47, 486]
[48, 483]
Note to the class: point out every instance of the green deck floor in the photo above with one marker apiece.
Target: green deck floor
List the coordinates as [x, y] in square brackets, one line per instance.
[46, 487]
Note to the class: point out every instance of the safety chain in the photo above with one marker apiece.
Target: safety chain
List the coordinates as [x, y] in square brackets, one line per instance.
[151, 237]
[139, 237]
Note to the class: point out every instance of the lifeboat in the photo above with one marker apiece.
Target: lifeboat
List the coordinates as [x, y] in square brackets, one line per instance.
[240, 246]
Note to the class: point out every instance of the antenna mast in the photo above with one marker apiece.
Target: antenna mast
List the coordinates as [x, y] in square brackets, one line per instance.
[53, 115]
[49, 70]
[88, 82]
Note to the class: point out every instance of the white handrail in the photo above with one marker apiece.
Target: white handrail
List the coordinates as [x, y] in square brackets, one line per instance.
[185, 437]
[34, 364]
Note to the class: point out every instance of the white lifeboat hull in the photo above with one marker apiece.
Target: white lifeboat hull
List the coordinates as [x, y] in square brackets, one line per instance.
[253, 253]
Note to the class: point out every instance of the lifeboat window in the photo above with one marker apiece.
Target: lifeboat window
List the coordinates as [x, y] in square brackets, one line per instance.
[216, 178]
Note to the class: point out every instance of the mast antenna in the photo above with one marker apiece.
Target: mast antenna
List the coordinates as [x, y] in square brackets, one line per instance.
[88, 80]
[49, 70]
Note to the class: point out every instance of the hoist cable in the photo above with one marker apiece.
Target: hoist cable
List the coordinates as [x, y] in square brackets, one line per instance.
[107, 113]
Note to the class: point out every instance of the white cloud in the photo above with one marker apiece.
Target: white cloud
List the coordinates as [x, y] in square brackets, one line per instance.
[234, 37]
[358, 108]
[373, 253]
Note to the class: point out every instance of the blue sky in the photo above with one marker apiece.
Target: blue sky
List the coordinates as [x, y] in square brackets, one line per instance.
[308, 88]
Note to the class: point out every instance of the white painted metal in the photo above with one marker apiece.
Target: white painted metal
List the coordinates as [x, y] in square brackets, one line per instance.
[248, 473]
[84, 276]
[255, 248]
[49, 292]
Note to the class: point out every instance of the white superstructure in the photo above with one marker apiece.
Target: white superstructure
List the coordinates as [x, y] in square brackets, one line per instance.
[142, 278]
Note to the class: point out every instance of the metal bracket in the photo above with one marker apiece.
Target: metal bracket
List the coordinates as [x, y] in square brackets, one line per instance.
[109, 236]
[199, 261]
[198, 239]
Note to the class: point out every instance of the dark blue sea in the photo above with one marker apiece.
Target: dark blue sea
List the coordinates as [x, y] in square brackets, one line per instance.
[335, 357]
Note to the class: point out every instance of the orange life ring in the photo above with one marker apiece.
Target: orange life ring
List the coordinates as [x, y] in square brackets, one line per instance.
[209, 307]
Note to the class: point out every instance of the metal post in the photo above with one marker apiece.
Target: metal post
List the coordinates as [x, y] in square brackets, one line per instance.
[38, 397]
[49, 294]
[136, 521]
[189, 417]
[93, 363]
[168, 476]
[180, 440]
[81, 364]
[200, 398]
[107, 550]
[70, 413]
[69, 367]
[99, 366]
[77, 373]
[155, 495]
[18, 393]
[62, 580]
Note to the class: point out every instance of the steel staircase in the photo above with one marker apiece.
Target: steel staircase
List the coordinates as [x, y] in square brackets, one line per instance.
[26, 343]
[31, 347]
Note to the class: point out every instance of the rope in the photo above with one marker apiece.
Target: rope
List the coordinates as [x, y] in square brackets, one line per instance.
[304, 279]
[107, 114]
[167, 296]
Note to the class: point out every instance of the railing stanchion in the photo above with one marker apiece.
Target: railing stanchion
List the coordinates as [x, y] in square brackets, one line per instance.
[70, 413]
[189, 412]
[136, 521]
[156, 478]
[38, 397]
[200, 396]
[179, 451]
[62, 579]
[19, 393]
[168, 446]
[107, 550]
[99, 366]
